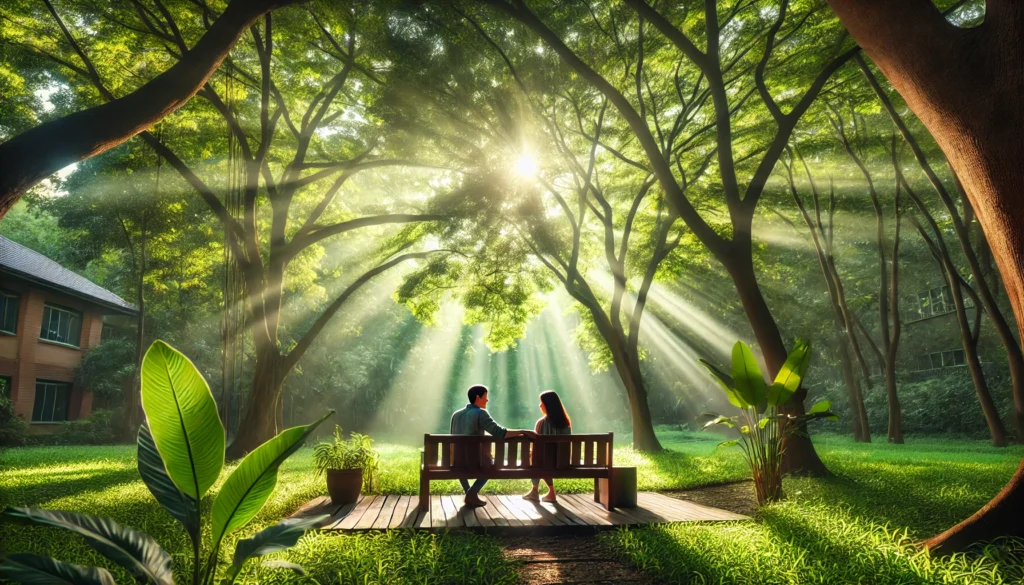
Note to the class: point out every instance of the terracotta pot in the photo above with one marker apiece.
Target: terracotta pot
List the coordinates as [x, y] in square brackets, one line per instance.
[344, 485]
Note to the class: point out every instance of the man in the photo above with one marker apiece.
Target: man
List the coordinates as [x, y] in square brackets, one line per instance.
[474, 420]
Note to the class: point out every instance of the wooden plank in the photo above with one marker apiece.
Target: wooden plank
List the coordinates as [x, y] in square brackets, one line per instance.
[446, 454]
[314, 507]
[499, 453]
[366, 522]
[349, 521]
[602, 454]
[588, 454]
[437, 518]
[576, 453]
[586, 502]
[451, 514]
[498, 510]
[675, 512]
[535, 514]
[564, 513]
[384, 518]
[465, 513]
[338, 516]
[582, 513]
[693, 510]
[401, 508]
[422, 520]
[510, 506]
[483, 516]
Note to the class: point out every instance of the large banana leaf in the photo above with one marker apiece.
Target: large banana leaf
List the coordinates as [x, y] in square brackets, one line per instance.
[154, 475]
[747, 377]
[183, 419]
[787, 382]
[726, 382]
[273, 539]
[251, 483]
[30, 569]
[131, 549]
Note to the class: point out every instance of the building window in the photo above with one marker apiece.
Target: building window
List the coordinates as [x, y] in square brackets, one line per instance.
[8, 312]
[51, 403]
[5, 386]
[941, 359]
[61, 325]
[107, 332]
[932, 303]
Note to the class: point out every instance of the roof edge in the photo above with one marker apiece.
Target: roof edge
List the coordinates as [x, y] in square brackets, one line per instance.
[131, 310]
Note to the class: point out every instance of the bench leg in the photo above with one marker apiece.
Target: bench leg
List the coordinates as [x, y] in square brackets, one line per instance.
[597, 490]
[610, 495]
[424, 493]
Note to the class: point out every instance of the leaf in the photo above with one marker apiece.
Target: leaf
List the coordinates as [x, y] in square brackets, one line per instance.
[39, 570]
[721, 420]
[787, 382]
[725, 381]
[731, 443]
[745, 430]
[154, 475]
[183, 419]
[275, 538]
[763, 422]
[822, 406]
[251, 483]
[749, 382]
[131, 549]
[279, 564]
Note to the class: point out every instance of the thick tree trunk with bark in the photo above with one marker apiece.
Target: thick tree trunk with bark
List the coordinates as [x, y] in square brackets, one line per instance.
[966, 87]
[260, 421]
[36, 154]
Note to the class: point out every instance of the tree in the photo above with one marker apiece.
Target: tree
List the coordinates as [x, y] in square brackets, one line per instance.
[263, 242]
[43, 150]
[734, 144]
[965, 86]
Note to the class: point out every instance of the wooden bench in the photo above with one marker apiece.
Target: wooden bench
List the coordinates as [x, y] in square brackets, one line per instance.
[547, 456]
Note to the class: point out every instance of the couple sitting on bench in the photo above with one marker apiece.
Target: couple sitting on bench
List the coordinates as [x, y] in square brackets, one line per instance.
[474, 420]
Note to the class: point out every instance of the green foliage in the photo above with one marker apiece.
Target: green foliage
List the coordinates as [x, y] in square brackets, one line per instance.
[107, 370]
[99, 429]
[763, 428]
[355, 453]
[13, 430]
[174, 393]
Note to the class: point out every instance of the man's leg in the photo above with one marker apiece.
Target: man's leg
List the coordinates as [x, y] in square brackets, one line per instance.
[465, 485]
[478, 485]
[473, 497]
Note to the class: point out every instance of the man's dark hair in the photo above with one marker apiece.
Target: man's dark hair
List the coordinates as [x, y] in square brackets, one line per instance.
[476, 392]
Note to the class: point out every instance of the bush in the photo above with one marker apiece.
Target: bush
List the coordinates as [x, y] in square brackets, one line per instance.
[942, 405]
[107, 370]
[13, 430]
[98, 429]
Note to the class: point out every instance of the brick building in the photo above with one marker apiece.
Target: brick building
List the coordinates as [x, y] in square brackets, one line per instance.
[49, 316]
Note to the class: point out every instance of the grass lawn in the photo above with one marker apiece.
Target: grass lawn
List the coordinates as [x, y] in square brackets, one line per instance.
[858, 526]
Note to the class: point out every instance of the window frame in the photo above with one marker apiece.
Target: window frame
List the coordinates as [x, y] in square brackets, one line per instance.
[8, 297]
[48, 309]
[37, 405]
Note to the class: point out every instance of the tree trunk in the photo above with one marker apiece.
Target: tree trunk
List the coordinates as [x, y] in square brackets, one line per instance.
[799, 456]
[260, 421]
[895, 426]
[852, 386]
[961, 226]
[133, 414]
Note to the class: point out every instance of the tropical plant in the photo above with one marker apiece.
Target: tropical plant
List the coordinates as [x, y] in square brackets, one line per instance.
[180, 456]
[763, 426]
[355, 453]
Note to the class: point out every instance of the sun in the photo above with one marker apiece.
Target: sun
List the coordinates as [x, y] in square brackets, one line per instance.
[527, 166]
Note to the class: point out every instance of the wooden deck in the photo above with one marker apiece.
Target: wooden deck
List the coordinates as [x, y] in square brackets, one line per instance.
[507, 513]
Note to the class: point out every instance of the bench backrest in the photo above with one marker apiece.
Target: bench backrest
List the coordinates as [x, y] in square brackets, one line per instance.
[548, 452]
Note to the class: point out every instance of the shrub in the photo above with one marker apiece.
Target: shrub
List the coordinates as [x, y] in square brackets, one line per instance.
[98, 429]
[13, 430]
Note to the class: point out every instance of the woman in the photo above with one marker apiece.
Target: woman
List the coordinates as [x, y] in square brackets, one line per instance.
[554, 422]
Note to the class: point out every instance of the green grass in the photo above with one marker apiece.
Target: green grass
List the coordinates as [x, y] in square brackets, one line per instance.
[859, 526]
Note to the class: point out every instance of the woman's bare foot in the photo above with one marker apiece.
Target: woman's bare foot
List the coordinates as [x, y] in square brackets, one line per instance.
[532, 495]
[550, 496]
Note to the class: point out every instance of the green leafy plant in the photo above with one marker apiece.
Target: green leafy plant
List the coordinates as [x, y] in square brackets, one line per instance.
[355, 453]
[180, 456]
[763, 428]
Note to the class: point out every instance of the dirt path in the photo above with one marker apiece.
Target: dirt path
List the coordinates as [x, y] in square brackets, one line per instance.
[584, 560]
[568, 559]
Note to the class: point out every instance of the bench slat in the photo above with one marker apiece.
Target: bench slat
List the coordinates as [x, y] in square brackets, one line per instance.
[588, 454]
[446, 454]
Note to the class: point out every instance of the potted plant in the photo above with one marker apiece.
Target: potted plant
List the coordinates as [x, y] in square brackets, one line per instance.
[350, 465]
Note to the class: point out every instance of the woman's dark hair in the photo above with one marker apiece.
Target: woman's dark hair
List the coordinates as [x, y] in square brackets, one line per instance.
[555, 411]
